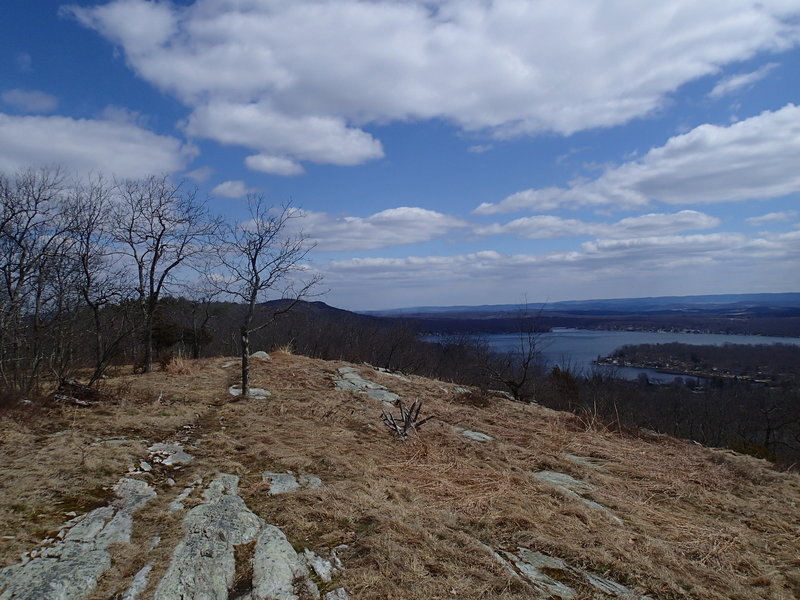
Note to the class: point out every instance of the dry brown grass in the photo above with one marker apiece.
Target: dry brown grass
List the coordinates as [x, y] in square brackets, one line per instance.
[416, 515]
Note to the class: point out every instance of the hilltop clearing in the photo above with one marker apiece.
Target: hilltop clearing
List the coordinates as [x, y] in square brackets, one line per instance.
[490, 499]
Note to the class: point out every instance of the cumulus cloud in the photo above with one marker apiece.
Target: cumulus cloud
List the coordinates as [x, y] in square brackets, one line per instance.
[31, 101]
[85, 145]
[752, 159]
[670, 264]
[543, 227]
[391, 227]
[232, 189]
[200, 175]
[773, 217]
[277, 165]
[312, 75]
[731, 84]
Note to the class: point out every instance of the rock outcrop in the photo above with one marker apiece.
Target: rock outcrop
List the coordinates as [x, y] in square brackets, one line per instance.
[69, 569]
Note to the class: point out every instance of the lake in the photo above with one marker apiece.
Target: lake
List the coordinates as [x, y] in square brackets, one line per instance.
[577, 348]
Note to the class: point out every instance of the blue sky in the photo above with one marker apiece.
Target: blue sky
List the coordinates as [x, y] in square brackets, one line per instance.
[443, 152]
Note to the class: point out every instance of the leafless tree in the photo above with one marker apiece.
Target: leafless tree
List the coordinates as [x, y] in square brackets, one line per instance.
[102, 281]
[33, 241]
[262, 259]
[160, 227]
[516, 369]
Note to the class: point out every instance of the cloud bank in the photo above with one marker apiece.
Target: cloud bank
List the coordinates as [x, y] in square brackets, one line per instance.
[85, 146]
[750, 160]
[303, 80]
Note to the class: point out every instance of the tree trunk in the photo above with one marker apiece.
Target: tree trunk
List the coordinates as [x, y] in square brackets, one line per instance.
[245, 362]
[147, 362]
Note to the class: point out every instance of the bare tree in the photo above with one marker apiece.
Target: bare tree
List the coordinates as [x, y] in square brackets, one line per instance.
[261, 259]
[517, 368]
[102, 281]
[160, 226]
[33, 242]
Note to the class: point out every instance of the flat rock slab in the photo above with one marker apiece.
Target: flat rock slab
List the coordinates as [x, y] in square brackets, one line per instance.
[203, 563]
[349, 380]
[476, 436]
[69, 569]
[574, 488]
[170, 454]
[553, 578]
[255, 393]
[281, 483]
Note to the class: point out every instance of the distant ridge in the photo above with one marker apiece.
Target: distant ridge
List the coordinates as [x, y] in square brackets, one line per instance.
[620, 305]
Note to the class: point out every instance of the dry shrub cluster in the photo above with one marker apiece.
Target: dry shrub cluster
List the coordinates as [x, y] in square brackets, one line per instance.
[419, 516]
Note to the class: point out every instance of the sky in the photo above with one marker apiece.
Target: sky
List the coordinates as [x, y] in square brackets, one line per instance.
[443, 152]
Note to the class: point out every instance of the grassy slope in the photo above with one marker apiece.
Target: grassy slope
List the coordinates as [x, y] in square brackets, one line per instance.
[698, 523]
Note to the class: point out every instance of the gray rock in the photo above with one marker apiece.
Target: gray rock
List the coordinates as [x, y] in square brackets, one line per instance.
[261, 355]
[170, 454]
[179, 458]
[385, 396]
[349, 380]
[309, 481]
[337, 594]
[323, 568]
[541, 570]
[255, 393]
[177, 504]
[280, 483]
[532, 565]
[278, 571]
[203, 564]
[138, 584]
[145, 466]
[574, 488]
[476, 436]
[69, 569]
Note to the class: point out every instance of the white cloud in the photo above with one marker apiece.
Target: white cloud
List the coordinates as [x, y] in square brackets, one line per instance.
[84, 145]
[734, 83]
[773, 217]
[661, 265]
[318, 139]
[277, 165]
[32, 101]
[232, 189]
[543, 227]
[753, 159]
[200, 175]
[391, 227]
[310, 75]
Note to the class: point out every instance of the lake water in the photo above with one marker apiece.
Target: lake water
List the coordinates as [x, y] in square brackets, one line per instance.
[577, 348]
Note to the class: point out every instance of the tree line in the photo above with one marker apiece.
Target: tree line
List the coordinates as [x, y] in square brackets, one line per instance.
[86, 262]
[95, 273]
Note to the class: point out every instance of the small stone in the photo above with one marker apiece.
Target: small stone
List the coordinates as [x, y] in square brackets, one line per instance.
[145, 466]
[260, 355]
[337, 594]
[280, 483]
[309, 481]
[476, 436]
